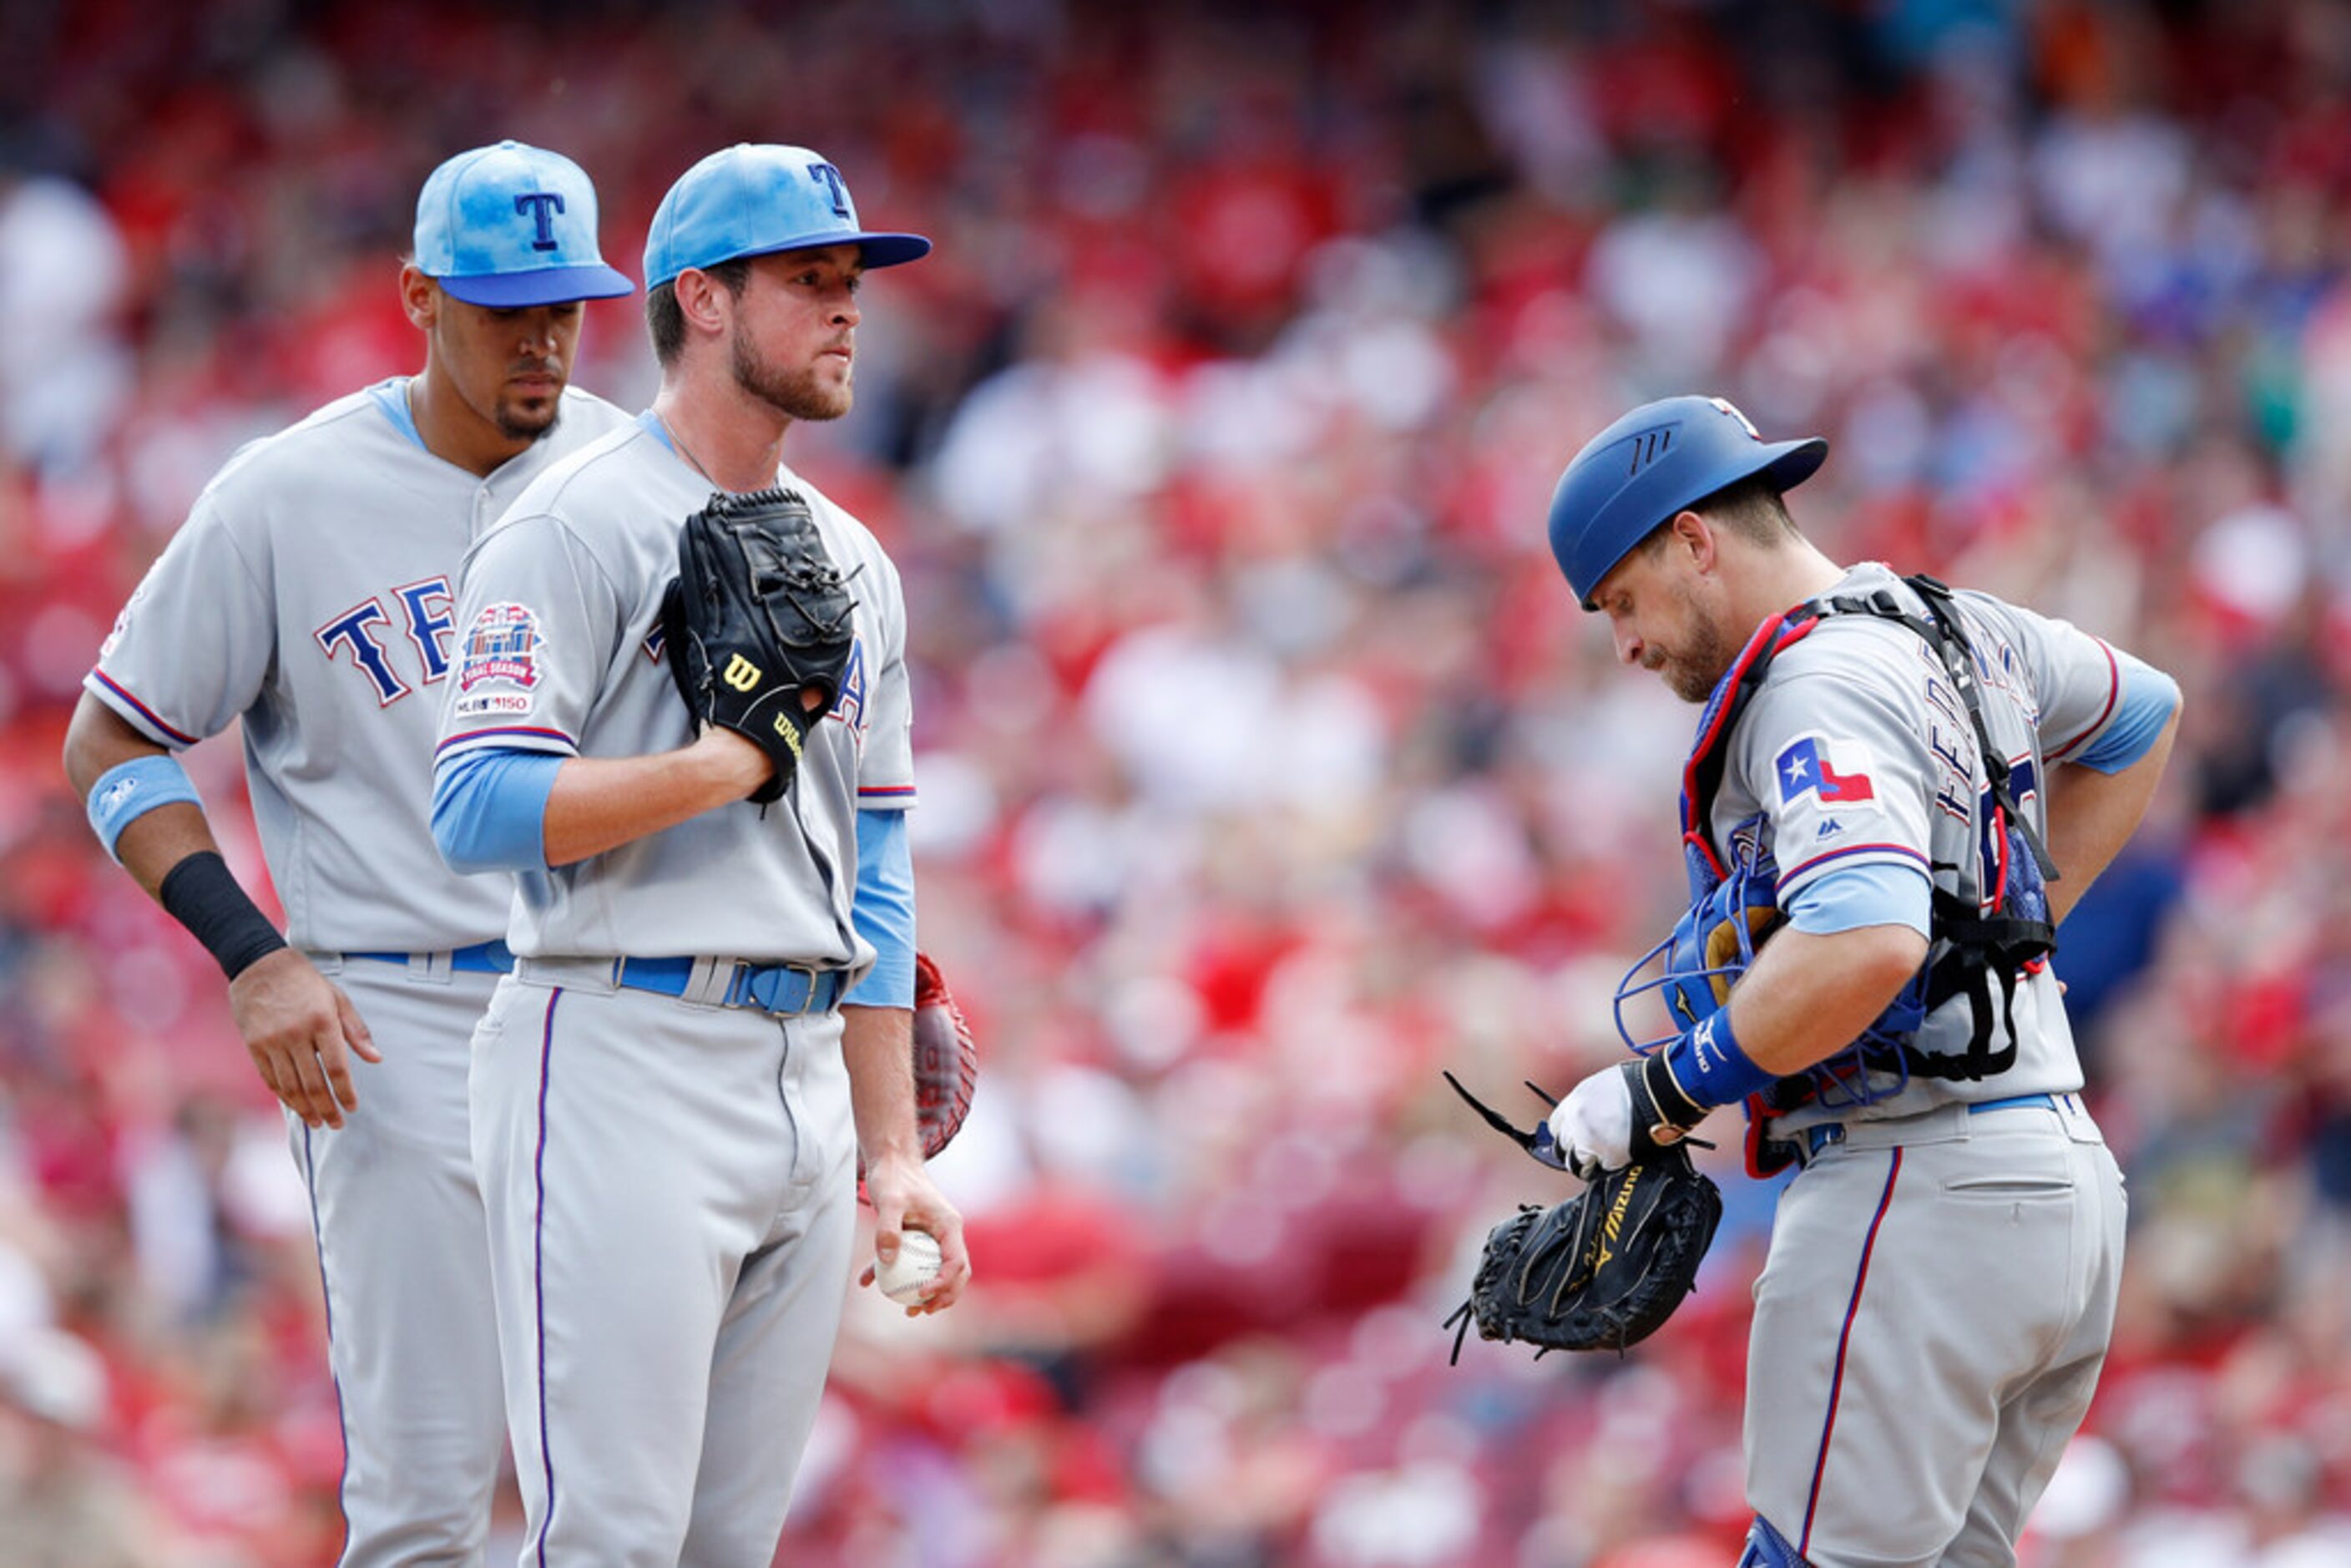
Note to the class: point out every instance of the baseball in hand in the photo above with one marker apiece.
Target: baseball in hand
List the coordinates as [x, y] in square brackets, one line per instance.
[917, 1264]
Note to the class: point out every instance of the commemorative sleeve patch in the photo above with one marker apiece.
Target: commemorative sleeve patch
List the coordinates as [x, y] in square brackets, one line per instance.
[500, 669]
[1830, 773]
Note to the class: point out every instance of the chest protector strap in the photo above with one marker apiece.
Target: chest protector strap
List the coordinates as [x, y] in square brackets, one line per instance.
[1982, 947]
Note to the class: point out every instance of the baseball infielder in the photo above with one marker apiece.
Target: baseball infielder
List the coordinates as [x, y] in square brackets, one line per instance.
[670, 1095]
[1942, 1274]
[311, 594]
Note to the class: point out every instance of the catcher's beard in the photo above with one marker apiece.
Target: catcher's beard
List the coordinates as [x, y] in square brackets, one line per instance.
[794, 394]
[1705, 654]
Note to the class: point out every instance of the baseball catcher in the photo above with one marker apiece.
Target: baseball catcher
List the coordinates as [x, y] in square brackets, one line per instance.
[758, 623]
[1601, 1271]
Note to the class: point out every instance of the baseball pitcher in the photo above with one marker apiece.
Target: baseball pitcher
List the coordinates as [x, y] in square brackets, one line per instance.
[679, 713]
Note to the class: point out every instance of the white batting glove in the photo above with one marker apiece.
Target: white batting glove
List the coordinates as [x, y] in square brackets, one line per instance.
[1621, 1114]
[1593, 1125]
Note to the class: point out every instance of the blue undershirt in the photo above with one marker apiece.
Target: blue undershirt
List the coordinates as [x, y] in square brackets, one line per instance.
[2149, 698]
[489, 814]
[1861, 895]
[391, 396]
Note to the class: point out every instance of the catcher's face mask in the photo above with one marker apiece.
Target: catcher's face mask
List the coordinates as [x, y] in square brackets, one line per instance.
[1687, 978]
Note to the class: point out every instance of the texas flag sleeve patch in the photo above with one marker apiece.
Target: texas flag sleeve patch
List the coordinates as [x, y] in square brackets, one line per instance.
[1835, 772]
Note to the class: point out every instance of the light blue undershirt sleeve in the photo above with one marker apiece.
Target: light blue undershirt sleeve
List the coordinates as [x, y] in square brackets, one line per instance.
[885, 909]
[1879, 895]
[391, 396]
[489, 809]
[2149, 699]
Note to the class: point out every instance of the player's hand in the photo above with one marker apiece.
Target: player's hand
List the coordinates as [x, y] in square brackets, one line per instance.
[904, 1195]
[733, 761]
[1593, 1127]
[301, 1031]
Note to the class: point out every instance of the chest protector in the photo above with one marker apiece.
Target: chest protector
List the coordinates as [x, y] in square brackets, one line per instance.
[1980, 947]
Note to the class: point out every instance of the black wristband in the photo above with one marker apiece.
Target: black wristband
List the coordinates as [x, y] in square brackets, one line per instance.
[201, 894]
[1669, 1100]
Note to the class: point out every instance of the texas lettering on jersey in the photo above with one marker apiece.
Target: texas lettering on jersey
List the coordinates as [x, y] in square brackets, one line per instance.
[425, 610]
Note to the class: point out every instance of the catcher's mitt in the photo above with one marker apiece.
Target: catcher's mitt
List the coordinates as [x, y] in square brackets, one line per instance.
[758, 617]
[946, 1059]
[1603, 1269]
[1600, 1272]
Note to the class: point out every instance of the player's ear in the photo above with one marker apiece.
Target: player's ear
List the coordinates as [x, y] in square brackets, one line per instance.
[703, 301]
[1694, 538]
[420, 297]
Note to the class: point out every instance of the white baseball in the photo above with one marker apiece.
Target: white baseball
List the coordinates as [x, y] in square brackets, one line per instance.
[917, 1264]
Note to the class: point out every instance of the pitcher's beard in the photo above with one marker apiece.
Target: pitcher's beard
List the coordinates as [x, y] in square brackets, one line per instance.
[798, 394]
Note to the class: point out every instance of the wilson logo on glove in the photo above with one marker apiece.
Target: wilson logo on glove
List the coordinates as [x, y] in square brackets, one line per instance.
[758, 620]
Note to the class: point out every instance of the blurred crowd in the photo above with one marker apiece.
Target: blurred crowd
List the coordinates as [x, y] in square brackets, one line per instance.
[1266, 765]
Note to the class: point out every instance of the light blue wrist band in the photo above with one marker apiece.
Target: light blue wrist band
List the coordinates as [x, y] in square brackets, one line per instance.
[129, 790]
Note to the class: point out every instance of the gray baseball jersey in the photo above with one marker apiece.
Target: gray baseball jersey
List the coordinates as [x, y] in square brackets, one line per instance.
[688, 1296]
[1941, 1284]
[311, 592]
[1856, 752]
[561, 654]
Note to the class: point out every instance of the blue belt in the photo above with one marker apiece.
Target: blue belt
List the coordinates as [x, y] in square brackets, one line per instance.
[786, 988]
[1820, 1137]
[481, 958]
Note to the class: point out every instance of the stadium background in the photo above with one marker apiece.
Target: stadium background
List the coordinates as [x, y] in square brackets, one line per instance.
[1266, 765]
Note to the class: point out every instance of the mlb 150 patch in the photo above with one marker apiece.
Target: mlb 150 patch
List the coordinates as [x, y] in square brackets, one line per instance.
[498, 672]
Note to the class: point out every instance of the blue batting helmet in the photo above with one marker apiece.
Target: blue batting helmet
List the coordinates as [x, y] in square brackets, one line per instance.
[1656, 461]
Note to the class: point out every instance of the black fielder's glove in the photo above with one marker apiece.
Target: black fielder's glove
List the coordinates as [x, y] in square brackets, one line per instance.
[1603, 1270]
[758, 623]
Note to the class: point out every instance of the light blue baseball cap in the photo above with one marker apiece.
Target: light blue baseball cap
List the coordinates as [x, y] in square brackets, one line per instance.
[512, 225]
[754, 199]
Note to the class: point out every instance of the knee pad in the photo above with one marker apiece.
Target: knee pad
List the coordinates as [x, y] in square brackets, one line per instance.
[1767, 1548]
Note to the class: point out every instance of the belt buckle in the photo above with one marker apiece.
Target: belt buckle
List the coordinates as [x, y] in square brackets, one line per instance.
[748, 974]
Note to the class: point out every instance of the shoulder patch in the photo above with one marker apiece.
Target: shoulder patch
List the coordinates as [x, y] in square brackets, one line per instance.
[1834, 771]
[500, 669]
